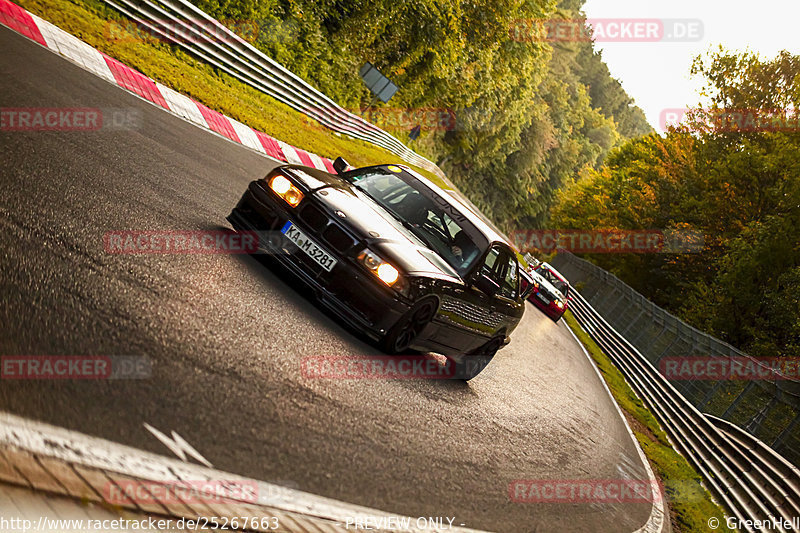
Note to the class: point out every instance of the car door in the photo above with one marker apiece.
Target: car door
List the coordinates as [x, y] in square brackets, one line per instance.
[507, 301]
[481, 316]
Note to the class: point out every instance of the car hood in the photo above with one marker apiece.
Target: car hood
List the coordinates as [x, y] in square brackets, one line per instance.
[382, 232]
[313, 178]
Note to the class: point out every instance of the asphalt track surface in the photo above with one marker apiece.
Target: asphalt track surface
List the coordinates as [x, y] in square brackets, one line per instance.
[226, 336]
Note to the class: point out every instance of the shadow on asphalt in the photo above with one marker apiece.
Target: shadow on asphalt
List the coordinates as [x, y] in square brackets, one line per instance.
[279, 277]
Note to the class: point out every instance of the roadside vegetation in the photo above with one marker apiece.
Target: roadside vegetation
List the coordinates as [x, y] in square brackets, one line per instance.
[527, 113]
[690, 504]
[733, 176]
[508, 116]
[107, 31]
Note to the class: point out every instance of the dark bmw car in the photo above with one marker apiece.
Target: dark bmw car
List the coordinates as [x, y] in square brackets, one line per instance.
[393, 255]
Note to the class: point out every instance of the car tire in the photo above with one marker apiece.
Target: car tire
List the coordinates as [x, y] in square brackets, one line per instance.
[406, 330]
[470, 365]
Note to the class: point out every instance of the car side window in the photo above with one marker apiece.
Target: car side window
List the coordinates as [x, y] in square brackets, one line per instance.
[489, 267]
[510, 285]
[501, 267]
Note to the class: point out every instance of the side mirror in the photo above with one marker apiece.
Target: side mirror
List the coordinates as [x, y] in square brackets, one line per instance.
[528, 290]
[340, 165]
[486, 285]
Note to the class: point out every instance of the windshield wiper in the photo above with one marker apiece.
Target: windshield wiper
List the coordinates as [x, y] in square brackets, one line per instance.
[415, 230]
[406, 224]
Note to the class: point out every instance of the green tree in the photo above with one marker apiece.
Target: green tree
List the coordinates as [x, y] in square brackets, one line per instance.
[529, 115]
[739, 186]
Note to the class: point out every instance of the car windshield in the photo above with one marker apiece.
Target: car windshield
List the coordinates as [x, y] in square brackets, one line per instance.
[557, 282]
[427, 214]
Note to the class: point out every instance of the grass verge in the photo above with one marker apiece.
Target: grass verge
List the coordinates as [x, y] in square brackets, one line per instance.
[105, 30]
[690, 504]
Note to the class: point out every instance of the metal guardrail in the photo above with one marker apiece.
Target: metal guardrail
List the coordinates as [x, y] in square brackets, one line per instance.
[768, 408]
[181, 23]
[750, 479]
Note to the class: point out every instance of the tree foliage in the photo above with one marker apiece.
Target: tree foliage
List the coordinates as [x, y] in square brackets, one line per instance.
[740, 187]
[529, 114]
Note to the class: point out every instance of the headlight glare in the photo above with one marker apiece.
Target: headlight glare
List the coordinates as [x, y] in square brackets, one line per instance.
[384, 271]
[387, 273]
[284, 188]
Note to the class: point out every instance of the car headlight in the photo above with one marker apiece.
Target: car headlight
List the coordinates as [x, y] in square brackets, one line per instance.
[380, 268]
[284, 188]
[559, 304]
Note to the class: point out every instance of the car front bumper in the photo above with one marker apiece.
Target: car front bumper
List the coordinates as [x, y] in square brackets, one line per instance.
[548, 308]
[348, 290]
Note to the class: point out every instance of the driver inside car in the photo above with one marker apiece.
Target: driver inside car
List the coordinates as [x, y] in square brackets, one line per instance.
[463, 249]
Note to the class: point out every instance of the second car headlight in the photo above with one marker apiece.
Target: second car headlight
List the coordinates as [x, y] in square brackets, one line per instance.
[284, 188]
[384, 271]
[559, 304]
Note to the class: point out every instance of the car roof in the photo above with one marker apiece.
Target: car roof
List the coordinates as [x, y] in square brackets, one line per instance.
[555, 272]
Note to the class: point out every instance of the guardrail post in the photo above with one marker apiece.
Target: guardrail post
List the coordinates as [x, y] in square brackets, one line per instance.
[786, 432]
[632, 322]
[762, 490]
[653, 339]
[735, 403]
[679, 338]
[755, 423]
[219, 47]
[664, 351]
[610, 312]
[710, 394]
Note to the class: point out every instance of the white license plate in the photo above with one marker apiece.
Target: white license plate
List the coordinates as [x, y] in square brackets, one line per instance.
[542, 298]
[312, 249]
